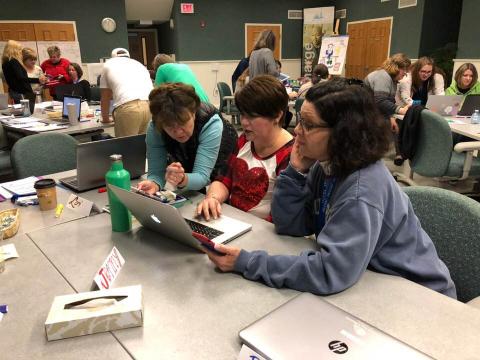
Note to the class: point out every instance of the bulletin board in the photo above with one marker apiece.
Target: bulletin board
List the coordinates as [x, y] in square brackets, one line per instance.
[333, 53]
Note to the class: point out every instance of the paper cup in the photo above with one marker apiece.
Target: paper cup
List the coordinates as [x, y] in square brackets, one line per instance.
[46, 193]
[72, 114]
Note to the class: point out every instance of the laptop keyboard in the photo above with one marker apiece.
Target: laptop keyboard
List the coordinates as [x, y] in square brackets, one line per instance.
[204, 230]
[71, 181]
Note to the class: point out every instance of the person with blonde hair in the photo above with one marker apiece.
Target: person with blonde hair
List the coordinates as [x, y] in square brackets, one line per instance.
[383, 82]
[16, 75]
[262, 61]
[56, 69]
[168, 71]
[465, 81]
[29, 58]
[422, 80]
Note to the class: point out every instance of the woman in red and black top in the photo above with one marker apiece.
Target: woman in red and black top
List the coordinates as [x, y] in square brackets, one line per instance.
[263, 150]
[56, 69]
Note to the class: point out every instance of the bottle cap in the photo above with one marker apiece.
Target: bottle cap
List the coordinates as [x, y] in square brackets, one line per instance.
[116, 157]
[44, 184]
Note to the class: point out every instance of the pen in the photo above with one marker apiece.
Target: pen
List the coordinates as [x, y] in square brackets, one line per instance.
[58, 210]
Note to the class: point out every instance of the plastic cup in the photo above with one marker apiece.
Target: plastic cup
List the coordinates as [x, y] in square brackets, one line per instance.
[46, 193]
[72, 114]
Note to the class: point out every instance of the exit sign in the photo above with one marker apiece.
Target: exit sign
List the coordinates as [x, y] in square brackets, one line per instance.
[186, 8]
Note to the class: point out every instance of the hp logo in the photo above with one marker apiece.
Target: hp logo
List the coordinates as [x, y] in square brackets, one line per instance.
[338, 347]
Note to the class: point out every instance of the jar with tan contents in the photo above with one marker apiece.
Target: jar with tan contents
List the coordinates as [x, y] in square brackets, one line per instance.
[46, 193]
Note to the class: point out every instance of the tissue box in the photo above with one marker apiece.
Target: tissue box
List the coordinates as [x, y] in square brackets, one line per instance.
[94, 311]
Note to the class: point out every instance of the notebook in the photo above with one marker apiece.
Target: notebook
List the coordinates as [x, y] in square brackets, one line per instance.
[308, 327]
[93, 161]
[167, 220]
[444, 105]
[470, 104]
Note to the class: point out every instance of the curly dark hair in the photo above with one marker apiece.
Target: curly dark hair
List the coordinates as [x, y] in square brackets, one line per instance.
[359, 135]
[172, 103]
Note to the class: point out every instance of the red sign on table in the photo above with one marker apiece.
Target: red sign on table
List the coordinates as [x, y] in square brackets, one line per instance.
[186, 8]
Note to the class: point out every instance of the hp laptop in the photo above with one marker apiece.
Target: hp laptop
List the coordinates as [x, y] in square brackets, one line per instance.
[470, 104]
[93, 161]
[167, 220]
[308, 327]
[444, 105]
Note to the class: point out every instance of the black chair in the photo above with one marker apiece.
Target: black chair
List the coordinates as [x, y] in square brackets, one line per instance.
[227, 105]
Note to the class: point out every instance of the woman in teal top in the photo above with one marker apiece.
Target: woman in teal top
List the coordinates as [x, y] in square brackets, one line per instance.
[188, 143]
[168, 71]
[465, 81]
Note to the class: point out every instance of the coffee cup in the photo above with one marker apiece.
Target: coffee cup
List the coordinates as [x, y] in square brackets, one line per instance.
[72, 114]
[46, 193]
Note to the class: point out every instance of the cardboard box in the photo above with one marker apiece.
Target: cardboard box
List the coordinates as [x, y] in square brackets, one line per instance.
[94, 311]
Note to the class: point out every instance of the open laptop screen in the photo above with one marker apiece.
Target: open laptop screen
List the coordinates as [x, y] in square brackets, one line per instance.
[67, 99]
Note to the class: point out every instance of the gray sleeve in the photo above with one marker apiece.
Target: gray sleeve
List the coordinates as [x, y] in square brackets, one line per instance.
[270, 64]
[345, 247]
[291, 209]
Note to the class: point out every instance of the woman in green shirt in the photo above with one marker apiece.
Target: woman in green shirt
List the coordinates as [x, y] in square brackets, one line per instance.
[465, 81]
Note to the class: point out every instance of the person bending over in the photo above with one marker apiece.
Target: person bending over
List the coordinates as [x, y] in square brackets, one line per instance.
[337, 187]
[263, 151]
[188, 143]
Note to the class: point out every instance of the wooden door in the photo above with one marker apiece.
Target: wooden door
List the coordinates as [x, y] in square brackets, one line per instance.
[17, 31]
[142, 46]
[54, 32]
[252, 32]
[368, 47]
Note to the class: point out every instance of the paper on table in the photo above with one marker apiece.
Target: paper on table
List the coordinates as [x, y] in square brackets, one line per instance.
[24, 120]
[48, 127]
[5, 194]
[27, 125]
[8, 251]
[21, 187]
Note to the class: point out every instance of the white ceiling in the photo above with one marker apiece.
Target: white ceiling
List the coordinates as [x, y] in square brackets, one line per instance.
[155, 10]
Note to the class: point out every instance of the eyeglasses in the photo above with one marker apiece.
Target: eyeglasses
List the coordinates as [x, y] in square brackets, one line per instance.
[308, 126]
[425, 72]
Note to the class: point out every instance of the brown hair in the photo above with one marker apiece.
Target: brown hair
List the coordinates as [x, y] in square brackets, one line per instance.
[266, 39]
[396, 62]
[359, 134]
[161, 59]
[319, 72]
[78, 69]
[13, 50]
[462, 69]
[172, 104]
[53, 50]
[415, 71]
[29, 54]
[263, 96]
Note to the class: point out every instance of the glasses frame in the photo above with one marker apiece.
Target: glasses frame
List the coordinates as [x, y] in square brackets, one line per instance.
[310, 127]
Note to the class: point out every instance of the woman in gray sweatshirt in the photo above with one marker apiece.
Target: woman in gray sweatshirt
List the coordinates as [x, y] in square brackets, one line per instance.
[338, 188]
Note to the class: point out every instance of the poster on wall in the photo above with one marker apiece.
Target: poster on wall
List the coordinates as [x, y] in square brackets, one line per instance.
[333, 53]
[317, 22]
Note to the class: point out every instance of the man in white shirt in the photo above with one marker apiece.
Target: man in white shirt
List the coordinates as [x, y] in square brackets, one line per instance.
[128, 82]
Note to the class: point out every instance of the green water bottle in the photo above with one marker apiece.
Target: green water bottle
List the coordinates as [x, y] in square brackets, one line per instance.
[118, 176]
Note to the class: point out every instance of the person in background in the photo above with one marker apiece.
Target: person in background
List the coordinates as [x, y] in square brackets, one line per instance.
[16, 76]
[319, 73]
[242, 80]
[128, 83]
[29, 57]
[239, 70]
[339, 189]
[263, 151]
[168, 71]
[262, 61]
[421, 81]
[188, 143]
[81, 86]
[56, 69]
[383, 83]
[465, 81]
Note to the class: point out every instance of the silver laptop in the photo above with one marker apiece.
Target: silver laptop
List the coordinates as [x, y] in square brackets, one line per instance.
[93, 161]
[470, 104]
[167, 220]
[308, 327]
[444, 105]
[3, 101]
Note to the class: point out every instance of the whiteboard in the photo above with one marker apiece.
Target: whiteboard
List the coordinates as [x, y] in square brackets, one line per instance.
[70, 50]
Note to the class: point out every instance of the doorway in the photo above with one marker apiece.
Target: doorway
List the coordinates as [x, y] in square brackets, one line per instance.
[143, 45]
[368, 46]
[252, 31]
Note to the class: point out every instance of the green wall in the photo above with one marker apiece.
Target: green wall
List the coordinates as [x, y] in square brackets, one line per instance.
[407, 22]
[223, 37]
[94, 42]
[468, 39]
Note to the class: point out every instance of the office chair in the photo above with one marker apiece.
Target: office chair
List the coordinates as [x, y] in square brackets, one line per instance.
[95, 93]
[434, 156]
[43, 154]
[452, 221]
[227, 105]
